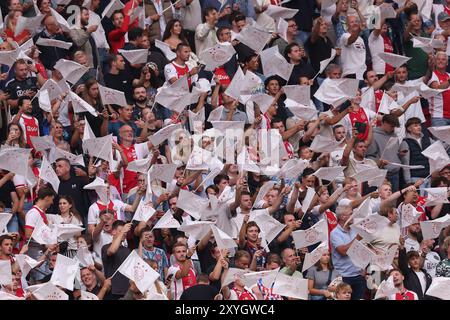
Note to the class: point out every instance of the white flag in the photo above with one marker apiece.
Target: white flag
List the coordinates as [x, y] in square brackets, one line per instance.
[329, 173]
[292, 287]
[164, 134]
[50, 292]
[275, 64]
[42, 143]
[64, 273]
[73, 159]
[61, 21]
[165, 48]
[79, 105]
[67, 231]
[144, 211]
[298, 93]
[368, 226]
[432, 229]
[111, 96]
[135, 56]
[279, 12]
[139, 165]
[167, 221]
[308, 199]
[304, 112]
[409, 215]
[231, 275]
[54, 43]
[44, 101]
[436, 196]
[88, 296]
[99, 147]
[270, 227]
[282, 28]
[4, 219]
[439, 288]
[394, 60]
[384, 260]
[54, 90]
[223, 240]
[326, 62]
[442, 133]
[139, 271]
[312, 257]
[163, 172]
[191, 203]
[15, 160]
[111, 7]
[70, 70]
[31, 24]
[217, 55]
[7, 296]
[263, 100]
[254, 38]
[266, 187]
[196, 229]
[308, 237]
[359, 254]
[48, 174]
[337, 91]
[267, 278]
[84, 256]
[42, 234]
[386, 288]
[5, 272]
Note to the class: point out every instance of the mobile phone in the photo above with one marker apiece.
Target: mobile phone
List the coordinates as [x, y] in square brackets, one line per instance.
[360, 127]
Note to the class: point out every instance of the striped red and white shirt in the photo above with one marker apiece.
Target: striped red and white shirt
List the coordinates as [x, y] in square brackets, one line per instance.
[440, 103]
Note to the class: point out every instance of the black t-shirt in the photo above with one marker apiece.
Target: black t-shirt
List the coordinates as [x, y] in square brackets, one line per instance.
[119, 283]
[73, 188]
[318, 51]
[18, 88]
[5, 193]
[303, 69]
[121, 82]
[205, 257]
[199, 292]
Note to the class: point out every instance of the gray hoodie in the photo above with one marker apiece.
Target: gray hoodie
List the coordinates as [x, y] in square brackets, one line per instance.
[378, 148]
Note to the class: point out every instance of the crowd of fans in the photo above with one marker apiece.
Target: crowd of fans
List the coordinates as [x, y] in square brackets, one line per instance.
[115, 118]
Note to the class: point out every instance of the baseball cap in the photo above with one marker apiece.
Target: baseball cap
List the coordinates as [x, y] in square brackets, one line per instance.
[443, 16]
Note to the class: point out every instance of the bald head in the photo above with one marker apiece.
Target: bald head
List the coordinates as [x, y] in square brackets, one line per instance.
[51, 25]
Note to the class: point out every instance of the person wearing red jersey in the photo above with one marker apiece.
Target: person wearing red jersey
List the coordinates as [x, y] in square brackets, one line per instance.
[359, 115]
[130, 6]
[403, 293]
[28, 123]
[277, 123]
[182, 272]
[380, 42]
[440, 103]
[324, 203]
[178, 68]
[121, 24]
[116, 207]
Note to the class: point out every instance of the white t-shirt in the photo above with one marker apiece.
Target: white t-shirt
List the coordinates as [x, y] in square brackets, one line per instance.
[33, 216]
[376, 46]
[57, 219]
[353, 56]
[439, 107]
[422, 279]
[178, 285]
[94, 211]
[104, 238]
